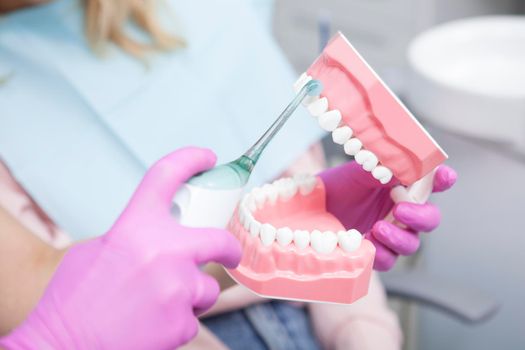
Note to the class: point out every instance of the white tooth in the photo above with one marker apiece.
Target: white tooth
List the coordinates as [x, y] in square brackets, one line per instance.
[349, 240]
[284, 236]
[248, 218]
[330, 120]
[317, 240]
[371, 162]
[301, 82]
[361, 156]
[382, 173]
[244, 200]
[268, 233]
[250, 203]
[277, 183]
[287, 189]
[353, 146]
[301, 238]
[271, 193]
[367, 159]
[318, 107]
[342, 134]
[307, 185]
[259, 196]
[386, 179]
[255, 228]
[324, 242]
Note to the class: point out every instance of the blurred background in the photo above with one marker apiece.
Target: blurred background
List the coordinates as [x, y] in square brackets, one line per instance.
[465, 80]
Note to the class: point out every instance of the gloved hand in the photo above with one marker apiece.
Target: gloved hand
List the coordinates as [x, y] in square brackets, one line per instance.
[359, 201]
[138, 286]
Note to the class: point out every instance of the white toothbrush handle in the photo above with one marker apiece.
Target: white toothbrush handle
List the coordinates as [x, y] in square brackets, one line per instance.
[418, 192]
[196, 206]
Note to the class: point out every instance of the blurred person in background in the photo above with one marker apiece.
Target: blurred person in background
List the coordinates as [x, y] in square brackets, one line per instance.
[94, 91]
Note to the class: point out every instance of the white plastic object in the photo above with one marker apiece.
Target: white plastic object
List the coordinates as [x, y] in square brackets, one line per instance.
[469, 76]
[418, 192]
[196, 206]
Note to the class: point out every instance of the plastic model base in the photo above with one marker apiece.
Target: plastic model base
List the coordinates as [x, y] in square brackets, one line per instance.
[339, 290]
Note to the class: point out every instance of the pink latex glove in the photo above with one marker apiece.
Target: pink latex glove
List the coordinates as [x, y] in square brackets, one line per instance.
[138, 286]
[359, 201]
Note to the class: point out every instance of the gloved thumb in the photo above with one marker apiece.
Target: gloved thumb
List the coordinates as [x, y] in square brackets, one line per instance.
[164, 178]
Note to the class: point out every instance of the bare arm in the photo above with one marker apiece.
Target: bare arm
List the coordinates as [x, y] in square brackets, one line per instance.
[26, 266]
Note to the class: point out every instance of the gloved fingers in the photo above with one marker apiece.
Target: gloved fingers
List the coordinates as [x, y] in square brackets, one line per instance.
[206, 293]
[398, 240]
[215, 245]
[385, 258]
[418, 217]
[163, 179]
[444, 178]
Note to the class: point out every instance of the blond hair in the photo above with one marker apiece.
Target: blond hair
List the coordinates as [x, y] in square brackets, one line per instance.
[105, 22]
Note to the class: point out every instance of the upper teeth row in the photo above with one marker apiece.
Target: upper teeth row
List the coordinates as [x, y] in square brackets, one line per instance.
[330, 120]
[322, 242]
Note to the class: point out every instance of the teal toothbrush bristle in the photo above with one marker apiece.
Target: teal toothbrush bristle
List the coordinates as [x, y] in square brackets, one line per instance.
[316, 87]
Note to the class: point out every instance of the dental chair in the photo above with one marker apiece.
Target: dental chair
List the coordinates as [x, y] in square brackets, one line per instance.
[411, 288]
[461, 302]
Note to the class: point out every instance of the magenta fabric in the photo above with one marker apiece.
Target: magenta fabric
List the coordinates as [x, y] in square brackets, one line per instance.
[359, 201]
[138, 286]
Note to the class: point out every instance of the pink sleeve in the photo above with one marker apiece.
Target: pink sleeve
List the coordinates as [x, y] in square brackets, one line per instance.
[366, 324]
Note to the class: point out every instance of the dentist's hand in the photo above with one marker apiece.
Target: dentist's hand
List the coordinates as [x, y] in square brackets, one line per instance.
[359, 201]
[138, 286]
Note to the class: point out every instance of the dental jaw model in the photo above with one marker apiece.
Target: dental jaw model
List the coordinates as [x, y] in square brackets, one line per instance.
[295, 249]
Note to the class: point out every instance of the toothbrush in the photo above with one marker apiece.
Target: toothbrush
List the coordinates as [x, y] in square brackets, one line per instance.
[209, 198]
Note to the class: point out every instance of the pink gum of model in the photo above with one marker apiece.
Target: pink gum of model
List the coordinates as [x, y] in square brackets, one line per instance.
[302, 274]
[373, 112]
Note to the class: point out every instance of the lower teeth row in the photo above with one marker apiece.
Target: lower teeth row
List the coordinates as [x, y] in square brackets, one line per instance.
[284, 189]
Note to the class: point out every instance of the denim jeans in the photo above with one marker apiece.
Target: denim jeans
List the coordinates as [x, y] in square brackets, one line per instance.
[274, 325]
